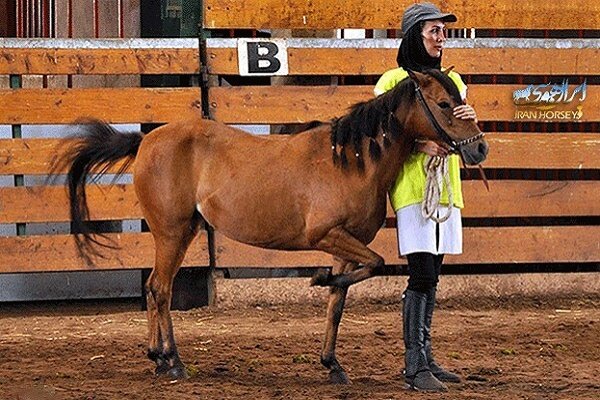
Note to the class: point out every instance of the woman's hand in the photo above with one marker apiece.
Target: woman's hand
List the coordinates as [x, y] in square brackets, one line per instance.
[430, 148]
[465, 111]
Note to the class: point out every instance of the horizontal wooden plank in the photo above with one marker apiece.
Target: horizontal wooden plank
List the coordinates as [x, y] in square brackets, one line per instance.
[374, 61]
[481, 246]
[33, 156]
[499, 245]
[325, 14]
[31, 204]
[543, 151]
[115, 105]
[507, 150]
[58, 61]
[505, 199]
[531, 199]
[294, 104]
[58, 253]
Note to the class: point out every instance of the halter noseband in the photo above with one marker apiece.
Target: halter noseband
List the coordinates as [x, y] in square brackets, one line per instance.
[441, 132]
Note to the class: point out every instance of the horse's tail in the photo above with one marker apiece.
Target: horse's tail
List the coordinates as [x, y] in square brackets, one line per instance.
[96, 150]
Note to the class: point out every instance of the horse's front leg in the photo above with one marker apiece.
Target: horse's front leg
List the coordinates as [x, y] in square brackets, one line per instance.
[335, 308]
[340, 243]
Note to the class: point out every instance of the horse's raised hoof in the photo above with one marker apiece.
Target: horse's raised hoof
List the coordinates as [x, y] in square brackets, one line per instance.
[178, 373]
[338, 377]
[321, 278]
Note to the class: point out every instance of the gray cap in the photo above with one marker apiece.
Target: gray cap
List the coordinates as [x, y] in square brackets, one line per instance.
[423, 12]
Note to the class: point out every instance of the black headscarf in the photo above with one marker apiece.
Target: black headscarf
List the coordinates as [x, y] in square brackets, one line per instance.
[412, 54]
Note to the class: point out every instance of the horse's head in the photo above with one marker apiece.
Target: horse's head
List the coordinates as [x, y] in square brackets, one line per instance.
[432, 118]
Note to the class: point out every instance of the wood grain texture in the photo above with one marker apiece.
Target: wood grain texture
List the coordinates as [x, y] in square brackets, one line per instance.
[58, 253]
[83, 61]
[543, 150]
[296, 104]
[531, 199]
[34, 156]
[367, 61]
[381, 14]
[122, 105]
[507, 150]
[51, 203]
[481, 246]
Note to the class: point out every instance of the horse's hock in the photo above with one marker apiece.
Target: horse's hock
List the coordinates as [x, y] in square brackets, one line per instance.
[541, 215]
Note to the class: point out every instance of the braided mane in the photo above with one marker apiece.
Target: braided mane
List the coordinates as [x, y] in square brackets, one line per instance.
[366, 120]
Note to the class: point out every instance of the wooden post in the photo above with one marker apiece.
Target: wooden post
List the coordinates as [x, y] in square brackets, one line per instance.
[192, 288]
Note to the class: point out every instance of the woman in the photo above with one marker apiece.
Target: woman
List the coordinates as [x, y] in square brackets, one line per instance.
[422, 240]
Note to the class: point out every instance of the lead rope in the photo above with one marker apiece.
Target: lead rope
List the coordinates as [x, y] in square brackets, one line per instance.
[436, 168]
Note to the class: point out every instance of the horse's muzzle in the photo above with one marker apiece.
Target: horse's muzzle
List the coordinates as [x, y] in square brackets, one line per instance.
[474, 153]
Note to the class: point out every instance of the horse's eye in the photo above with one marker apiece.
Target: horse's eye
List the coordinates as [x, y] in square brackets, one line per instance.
[444, 104]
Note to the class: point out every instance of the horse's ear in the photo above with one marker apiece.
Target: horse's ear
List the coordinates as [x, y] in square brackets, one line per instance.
[412, 75]
[447, 70]
[420, 78]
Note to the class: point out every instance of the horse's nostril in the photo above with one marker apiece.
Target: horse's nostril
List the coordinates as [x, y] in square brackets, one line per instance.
[483, 148]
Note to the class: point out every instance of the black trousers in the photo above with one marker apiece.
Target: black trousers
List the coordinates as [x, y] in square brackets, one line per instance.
[423, 271]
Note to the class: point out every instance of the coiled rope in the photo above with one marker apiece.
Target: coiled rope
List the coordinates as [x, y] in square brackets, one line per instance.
[436, 168]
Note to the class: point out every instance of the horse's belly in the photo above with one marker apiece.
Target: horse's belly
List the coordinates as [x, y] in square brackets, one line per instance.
[260, 222]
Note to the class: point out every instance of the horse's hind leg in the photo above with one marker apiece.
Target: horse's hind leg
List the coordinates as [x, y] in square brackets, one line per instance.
[335, 308]
[171, 246]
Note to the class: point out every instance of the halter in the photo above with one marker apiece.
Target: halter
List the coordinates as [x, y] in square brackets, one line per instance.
[441, 132]
[455, 147]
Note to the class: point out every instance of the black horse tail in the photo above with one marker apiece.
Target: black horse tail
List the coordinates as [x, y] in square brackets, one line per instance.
[98, 147]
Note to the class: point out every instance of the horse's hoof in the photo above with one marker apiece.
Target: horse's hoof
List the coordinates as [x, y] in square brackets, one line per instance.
[338, 377]
[320, 278]
[161, 369]
[178, 373]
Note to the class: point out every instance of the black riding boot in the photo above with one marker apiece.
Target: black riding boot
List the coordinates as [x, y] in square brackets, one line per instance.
[439, 372]
[417, 373]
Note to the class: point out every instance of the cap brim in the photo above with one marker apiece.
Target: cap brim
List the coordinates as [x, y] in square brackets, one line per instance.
[446, 17]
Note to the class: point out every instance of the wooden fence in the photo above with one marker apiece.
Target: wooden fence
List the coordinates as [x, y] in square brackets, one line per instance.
[563, 206]
[19, 156]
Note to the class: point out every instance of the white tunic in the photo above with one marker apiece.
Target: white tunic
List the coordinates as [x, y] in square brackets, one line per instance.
[417, 234]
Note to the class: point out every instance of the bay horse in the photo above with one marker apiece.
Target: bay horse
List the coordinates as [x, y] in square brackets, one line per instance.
[322, 189]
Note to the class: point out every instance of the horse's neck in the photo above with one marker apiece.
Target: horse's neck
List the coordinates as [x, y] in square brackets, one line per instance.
[392, 159]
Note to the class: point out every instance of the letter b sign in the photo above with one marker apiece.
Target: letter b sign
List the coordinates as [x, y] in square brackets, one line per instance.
[259, 57]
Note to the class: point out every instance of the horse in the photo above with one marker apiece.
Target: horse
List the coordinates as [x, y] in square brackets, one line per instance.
[322, 189]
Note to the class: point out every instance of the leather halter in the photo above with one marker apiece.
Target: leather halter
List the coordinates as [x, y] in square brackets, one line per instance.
[454, 146]
[441, 132]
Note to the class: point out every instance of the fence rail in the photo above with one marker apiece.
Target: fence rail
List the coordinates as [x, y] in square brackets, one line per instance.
[381, 14]
[497, 56]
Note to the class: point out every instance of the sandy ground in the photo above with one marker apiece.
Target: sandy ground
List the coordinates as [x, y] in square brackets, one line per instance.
[504, 347]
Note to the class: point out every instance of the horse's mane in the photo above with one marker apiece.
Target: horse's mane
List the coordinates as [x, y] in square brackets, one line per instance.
[367, 119]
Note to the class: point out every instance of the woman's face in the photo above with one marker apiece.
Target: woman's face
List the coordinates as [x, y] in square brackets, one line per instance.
[434, 37]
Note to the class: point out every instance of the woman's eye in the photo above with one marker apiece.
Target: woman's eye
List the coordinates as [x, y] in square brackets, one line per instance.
[444, 104]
